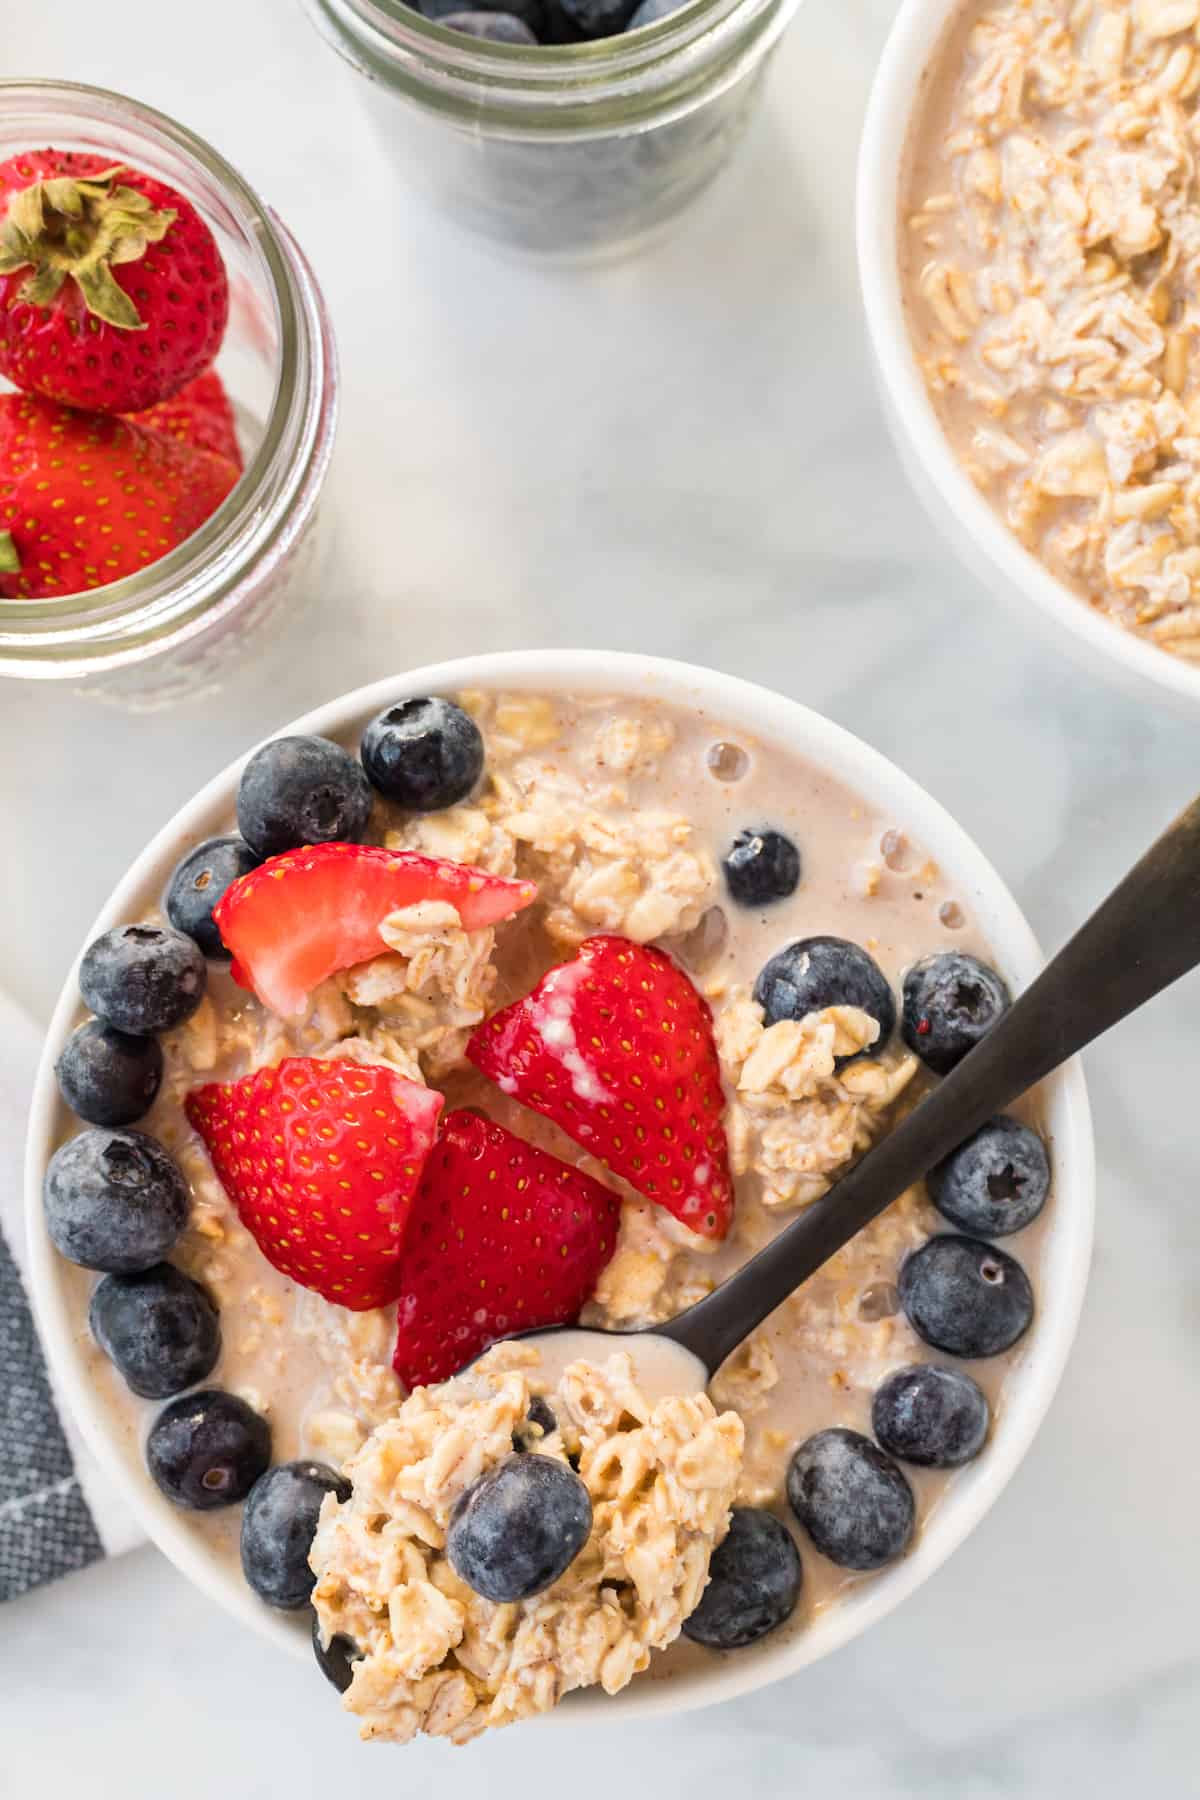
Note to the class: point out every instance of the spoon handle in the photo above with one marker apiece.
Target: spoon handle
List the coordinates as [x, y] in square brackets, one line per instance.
[1142, 938]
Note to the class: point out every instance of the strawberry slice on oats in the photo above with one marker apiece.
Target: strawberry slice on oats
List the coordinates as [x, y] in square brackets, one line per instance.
[616, 1046]
[322, 1160]
[504, 1237]
[306, 915]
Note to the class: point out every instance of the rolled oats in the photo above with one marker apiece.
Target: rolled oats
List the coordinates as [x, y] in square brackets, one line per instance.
[1054, 252]
[438, 1657]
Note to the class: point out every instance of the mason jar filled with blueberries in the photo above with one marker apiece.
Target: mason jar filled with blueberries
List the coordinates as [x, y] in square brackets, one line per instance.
[563, 127]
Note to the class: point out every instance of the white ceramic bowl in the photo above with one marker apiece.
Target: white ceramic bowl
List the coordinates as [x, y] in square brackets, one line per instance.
[1067, 1243]
[957, 507]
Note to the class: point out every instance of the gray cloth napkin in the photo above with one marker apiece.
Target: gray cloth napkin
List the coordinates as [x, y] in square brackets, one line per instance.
[57, 1510]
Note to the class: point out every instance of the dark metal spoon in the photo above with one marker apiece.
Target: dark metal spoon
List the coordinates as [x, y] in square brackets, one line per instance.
[1141, 939]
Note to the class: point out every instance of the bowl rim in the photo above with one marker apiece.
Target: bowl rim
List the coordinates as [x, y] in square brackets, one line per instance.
[907, 59]
[771, 718]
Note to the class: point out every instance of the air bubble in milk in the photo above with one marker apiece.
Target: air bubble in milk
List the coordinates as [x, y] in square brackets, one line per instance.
[727, 762]
[880, 1301]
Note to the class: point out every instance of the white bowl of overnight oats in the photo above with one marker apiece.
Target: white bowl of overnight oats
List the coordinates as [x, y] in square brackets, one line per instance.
[560, 982]
[1028, 228]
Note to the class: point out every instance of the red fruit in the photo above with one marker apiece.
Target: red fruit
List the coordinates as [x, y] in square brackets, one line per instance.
[113, 293]
[199, 415]
[503, 1238]
[302, 916]
[85, 499]
[617, 1048]
[321, 1160]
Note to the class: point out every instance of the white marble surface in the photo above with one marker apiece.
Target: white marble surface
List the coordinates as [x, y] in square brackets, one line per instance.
[682, 454]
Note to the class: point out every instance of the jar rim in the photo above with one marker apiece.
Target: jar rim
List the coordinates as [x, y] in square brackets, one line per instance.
[174, 597]
[551, 87]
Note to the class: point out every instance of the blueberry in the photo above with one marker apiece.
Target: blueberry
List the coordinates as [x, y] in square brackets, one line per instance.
[334, 1659]
[598, 18]
[651, 11]
[424, 754]
[301, 790]
[516, 1529]
[761, 866]
[158, 1327]
[817, 972]
[108, 1077]
[753, 1583]
[114, 1201]
[950, 1002]
[143, 978]
[937, 1418]
[537, 1424]
[496, 27]
[852, 1500]
[965, 1297]
[530, 12]
[208, 1449]
[198, 882]
[995, 1183]
[278, 1526]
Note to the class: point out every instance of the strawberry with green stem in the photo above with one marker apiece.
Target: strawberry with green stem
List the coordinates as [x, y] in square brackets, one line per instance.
[113, 293]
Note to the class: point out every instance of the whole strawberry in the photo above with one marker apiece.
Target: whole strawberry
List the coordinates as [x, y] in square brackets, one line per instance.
[113, 293]
[617, 1048]
[86, 499]
[321, 1160]
[200, 415]
[503, 1237]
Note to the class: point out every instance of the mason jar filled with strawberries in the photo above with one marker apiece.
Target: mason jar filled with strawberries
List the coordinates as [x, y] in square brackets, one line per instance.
[167, 399]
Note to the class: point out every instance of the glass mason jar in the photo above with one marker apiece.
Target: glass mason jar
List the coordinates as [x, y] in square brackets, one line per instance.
[166, 630]
[569, 149]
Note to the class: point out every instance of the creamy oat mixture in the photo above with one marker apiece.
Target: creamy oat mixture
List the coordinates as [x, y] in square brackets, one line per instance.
[620, 811]
[438, 1657]
[1051, 259]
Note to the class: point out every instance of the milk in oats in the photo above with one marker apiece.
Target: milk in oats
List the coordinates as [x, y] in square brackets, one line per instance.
[1050, 237]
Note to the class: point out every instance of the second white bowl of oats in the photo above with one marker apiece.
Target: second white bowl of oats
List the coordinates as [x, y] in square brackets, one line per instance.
[1028, 216]
[559, 982]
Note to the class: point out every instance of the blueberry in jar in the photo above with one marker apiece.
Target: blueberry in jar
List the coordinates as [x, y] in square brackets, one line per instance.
[754, 1582]
[494, 27]
[807, 976]
[158, 1328]
[936, 1418]
[994, 1183]
[651, 11]
[278, 1526]
[114, 1201]
[965, 1297]
[530, 12]
[301, 790]
[424, 754]
[207, 1449]
[852, 1500]
[107, 1076]
[599, 18]
[143, 978]
[761, 867]
[336, 1658]
[198, 882]
[519, 1527]
[950, 1001]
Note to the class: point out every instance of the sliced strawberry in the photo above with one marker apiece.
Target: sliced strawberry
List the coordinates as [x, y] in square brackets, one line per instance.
[617, 1048]
[321, 1160]
[302, 916]
[504, 1238]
